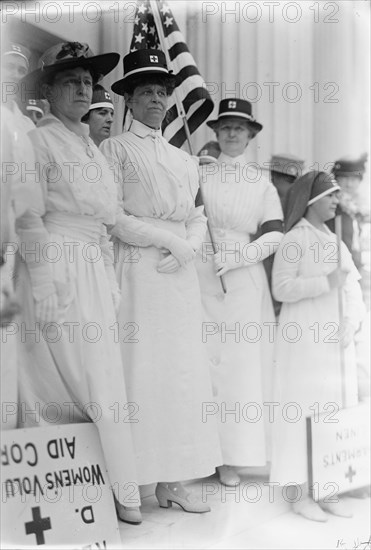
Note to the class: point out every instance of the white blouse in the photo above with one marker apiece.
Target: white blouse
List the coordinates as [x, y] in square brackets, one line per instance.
[155, 181]
[237, 196]
[74, 174]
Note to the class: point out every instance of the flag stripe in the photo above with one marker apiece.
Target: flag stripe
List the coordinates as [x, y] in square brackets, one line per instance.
[192, 90]
[192, 97]
[177, 49]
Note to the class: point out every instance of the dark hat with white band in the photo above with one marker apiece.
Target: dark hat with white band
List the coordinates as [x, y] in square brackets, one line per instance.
[101, 98]
[142, 62]
[17, 49]
[236, 108]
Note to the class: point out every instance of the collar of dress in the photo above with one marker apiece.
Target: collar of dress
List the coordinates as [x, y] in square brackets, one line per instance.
[232, 161]
[305, 223]
[51, 119]
[142, 131]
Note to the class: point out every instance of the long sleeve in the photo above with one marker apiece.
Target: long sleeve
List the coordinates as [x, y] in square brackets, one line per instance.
[34, 238]
[127, 227]
[287, 284]
[262, 247]
[354, 308]
[132, 231]
[196, 227]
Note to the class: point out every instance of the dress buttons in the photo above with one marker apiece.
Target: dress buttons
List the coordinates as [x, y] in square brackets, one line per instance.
[215, 360]
[181, 205]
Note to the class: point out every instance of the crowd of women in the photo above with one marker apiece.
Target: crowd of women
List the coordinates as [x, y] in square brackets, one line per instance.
[139, 303]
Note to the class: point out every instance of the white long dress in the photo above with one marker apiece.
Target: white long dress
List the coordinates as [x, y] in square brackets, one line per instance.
[308, 356]
[71, 371]
[18, 161]
[241, 361]
[160, 316]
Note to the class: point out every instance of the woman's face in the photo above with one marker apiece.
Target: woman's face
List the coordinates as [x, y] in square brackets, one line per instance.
[14, 67]
[71, 93]
[349, 184]
[233, 136]
[148, 104]
[325, 208]
[100, 121]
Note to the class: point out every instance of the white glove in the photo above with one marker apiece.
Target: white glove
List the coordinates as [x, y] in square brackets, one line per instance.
[169, 264]
[195, 242]
[225, 262]
[250, 254]
[337, 277]
[181, 249]
[346, 333]
[46, 310]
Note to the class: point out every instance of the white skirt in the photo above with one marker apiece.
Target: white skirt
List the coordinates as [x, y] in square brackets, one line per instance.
[72, 371]
[165, 367]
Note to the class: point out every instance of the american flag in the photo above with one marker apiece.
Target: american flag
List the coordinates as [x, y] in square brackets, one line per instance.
[192, 91]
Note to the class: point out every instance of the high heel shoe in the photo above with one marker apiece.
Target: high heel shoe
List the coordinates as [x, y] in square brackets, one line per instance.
[177, 494]
[129, 515]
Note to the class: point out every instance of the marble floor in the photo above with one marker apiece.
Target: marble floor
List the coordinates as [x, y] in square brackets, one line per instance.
[249, 517]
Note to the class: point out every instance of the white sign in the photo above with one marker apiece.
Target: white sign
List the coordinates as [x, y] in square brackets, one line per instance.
[339, 451]
[55, 490]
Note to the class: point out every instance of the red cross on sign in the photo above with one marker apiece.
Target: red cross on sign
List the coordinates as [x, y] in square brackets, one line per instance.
[350, 474]
[38, 525]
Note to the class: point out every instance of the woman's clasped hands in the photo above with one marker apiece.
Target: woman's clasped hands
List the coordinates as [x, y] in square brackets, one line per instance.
[181, 252]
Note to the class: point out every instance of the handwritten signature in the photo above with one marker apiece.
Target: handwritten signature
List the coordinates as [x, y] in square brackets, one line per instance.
[357, 544]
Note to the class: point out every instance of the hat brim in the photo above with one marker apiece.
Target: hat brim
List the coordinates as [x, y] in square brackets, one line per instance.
[349, 173]
[255, 126]
[123, 85]
[99, 64]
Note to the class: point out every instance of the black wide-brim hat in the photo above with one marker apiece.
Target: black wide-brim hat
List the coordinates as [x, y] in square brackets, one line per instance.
[236, 108]
[143, 62]
[63, 56]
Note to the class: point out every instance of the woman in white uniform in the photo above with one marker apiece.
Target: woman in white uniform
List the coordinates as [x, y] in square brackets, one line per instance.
[68, 285]
[238, 325]
[157, 233]
[19, 192]
[306, 278]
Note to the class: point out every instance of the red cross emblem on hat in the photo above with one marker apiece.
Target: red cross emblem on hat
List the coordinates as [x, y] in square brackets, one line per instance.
[106, 95]
[153, 58]
[32, 101]
[232, 104]
[16, 48]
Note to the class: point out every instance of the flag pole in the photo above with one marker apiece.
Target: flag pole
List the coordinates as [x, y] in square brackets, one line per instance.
[338, 233]
[181, 113]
